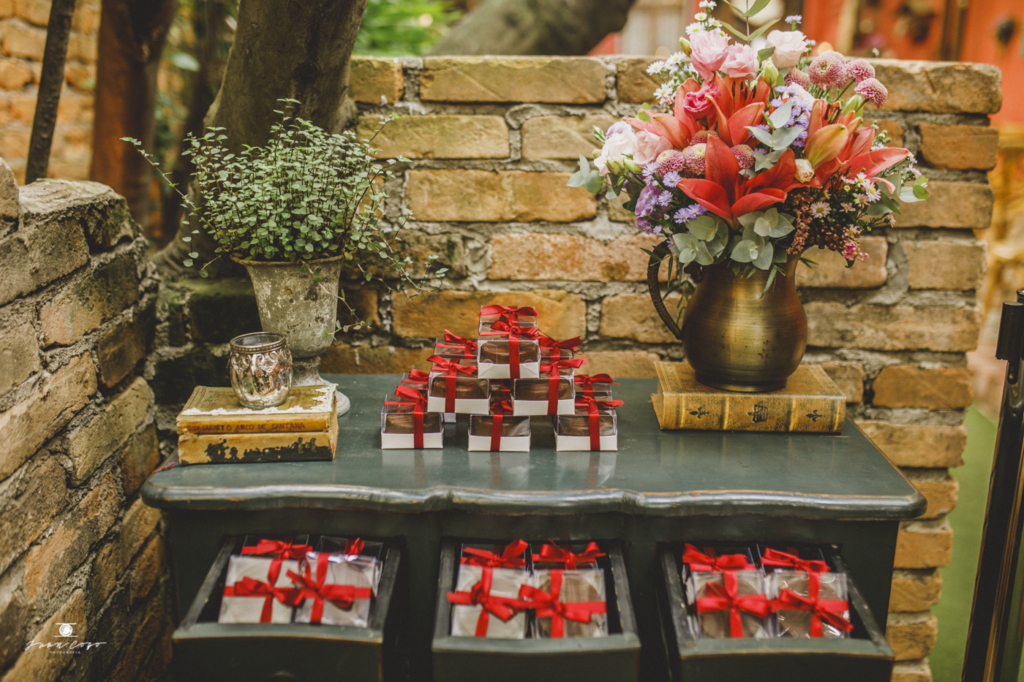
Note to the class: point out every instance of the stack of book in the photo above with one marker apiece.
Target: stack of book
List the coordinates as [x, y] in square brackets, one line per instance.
[214, 428]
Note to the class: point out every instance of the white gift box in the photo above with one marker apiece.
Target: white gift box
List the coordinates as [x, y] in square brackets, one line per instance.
[433, 427]
[569, 438]
[538, 408]
[488, 369]
[439, 384]
[354, 570]
[249, 609]
[515, 433]
[505, 582]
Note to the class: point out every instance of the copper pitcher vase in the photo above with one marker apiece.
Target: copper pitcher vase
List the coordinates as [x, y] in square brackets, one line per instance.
[736, 335]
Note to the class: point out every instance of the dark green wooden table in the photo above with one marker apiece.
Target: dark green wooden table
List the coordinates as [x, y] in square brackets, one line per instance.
[659, 487]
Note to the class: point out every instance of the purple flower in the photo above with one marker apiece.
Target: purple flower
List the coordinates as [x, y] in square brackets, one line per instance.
[664, 199]
[645, 203]
[688, 213]
[647, 225]
[671, 179]
[649, 171]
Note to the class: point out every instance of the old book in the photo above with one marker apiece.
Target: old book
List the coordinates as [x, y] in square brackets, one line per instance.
[275, 446]
[810, 402]
[216, 410]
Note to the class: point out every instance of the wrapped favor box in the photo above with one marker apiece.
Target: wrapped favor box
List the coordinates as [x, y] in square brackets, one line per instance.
[568, 603]
[508, 353]
[597, 386]
[338, 582]
[405, 424]
[569, 556]
[522, 316]
[552, 393]
[722, 584]
[456, 388]
[810, 604]
[454, 347]
[593, 426]
[499, 588]
[253, 595]
[498, 433]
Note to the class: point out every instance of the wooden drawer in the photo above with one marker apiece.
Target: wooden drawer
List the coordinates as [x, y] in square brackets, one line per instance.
[605, 659]
[864, 657]
[252, 652]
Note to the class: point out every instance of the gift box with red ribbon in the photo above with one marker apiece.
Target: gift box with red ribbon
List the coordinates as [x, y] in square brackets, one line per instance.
[593, 426]
[792, 558]
[596, 386]
[456, 388]
[551, 349]
[810, 604]
[567, 603]
[728, 595]
[454, 347]
[552, 393]
[405, 422]
[486, 602]
[257, 588]
[524, 316]
[499, 431]
[568, 556]
[508, 351]
[337, 583]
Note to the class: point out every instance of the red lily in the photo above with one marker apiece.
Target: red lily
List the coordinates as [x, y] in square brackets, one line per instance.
[737, 107]
[727, 194]
[673, 129]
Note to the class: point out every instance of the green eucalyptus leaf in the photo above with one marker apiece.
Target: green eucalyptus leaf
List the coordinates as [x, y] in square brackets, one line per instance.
[781, 116]
[704, 227]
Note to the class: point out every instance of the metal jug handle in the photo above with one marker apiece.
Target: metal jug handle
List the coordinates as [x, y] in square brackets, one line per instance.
[658, 255]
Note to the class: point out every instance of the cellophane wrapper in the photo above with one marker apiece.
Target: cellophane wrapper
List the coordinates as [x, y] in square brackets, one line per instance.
[715, 624]
[249, 609]
[505, 582]
[580, 585]
[342, 569]
[791, 623]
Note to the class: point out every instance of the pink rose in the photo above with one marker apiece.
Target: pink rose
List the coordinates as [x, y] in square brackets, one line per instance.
[740, 62]
[649, 147]
[708, 50]
[697, 103]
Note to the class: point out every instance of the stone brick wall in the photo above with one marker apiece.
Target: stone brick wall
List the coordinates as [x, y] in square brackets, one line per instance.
[77, 317]
[492, 142]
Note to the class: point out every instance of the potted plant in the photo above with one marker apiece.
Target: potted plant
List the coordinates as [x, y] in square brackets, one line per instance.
[751, 157]
[296, 212]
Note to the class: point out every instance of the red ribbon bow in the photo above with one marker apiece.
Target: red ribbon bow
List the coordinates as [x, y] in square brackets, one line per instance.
[418, 379]
[509, 312]
[557, 347]
[280, 550]
[773, 557]
[699, 561]
[594, 414]
[586, 383]
[568, 558]
[513, 332]
[723, 599]
[467, 346]
[480, 594]
[554, 372]
[250, 587]
[451, 373]
[821, 609]
[342, 596]
[548, 605]
[511, 557]
[419, 403]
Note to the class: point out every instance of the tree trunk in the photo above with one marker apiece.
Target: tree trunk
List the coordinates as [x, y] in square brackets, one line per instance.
[522, 27]
[131, 39]
[299, 50]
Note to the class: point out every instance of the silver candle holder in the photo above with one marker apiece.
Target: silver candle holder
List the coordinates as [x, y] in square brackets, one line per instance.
[261, 369]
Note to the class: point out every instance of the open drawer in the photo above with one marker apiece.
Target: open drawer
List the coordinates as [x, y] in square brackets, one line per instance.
[613, 658]
[863, 657]
[253, 652]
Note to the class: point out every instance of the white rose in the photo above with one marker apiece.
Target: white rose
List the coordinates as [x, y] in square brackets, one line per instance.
[649, 146]
[615, 147]
[804, 170]
[789, 45]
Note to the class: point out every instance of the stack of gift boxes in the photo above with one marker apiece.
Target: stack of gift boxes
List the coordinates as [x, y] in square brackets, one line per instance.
[511, 593]
[511, 373]
[734, 592]
[283, 580]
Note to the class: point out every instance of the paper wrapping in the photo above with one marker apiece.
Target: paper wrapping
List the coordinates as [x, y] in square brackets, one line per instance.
[505, 583]
[715, 624]
[248, 609]
[582, 585]
[798, 623]
[358, 571]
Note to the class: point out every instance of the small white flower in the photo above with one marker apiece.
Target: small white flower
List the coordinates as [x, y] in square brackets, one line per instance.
[700, 16]
[708, 4]
[820, 209]
[693, 28]
[656, 68]
[847, 207]
[872, 195]
[675, 59]
[664, 94]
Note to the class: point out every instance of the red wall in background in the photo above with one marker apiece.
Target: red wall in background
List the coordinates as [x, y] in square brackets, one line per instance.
[979, 45]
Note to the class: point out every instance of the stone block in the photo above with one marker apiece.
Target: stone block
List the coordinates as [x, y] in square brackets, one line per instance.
[219, 310]
[959, 147]
[934, 388]
[561, 314]
[148, 569]
[911, 671]
[19, 356]
[49, 563]
[91, 301]
[33, 11]
[438, 137]
[911, 635]
[940, 87]
[138, 459]
[568, 257]
[370, 79]
[10, 209]
[121, 348]
[103, 436]
[100, 210]
[36, 255]
[365, 303]
[39, 663]
[633, 82]
[29, 501]
[918, 445]
[14, 74]
[26, 426]
[23, 40]
[568, 80]
[942, 264]
[938, 487]
[617, 213]
[15, 616]
[954, 205]
[82, 47]
[924, 544]
[848, 378]
[894, 128]
[830, 269]
[140, 522]
[503, 196]
[344, 358]
[914, 590]
[562, 137]
[632, 316]
[621, 364]
[175, 376]
[419, 246]
[892, 328]
[104, 574]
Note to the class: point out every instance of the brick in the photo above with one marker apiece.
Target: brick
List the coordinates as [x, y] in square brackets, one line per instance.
[934, 388]
[621, 364]
[80, 75]
[941, 264]
[103, 436]
[911, 635]
[898, 327]
[14, 74]
[894, 128]
[10, 204]
[90, 302]
[29, 501]
[36, 255]
[19, 356]
[940, 489]
[49, 564]
[33, 11]
[104, 574]
[848, 378]
[963, 205]
[438, 137]
[139, 523]
[535, 257]
[911, 671]
[632, 316]
[619, 214]
[561, 314]
[91, 203]
[918, 445]
[419, 246]
[138, 459]
[830, 268]
[505, 196]
[82, 47]
[924, 544]
[14, 143]
[221, 309]
[632, 80]
[914, 590]
[86, 18]
[40, 664]
[23, 40]
[15, 617]
[569, 80]
[940, 87]
[370, 79]
[144, 638]
[562, 137]
[121, 348]
[6, 8]
[26, 426]
[959, 147]
[345, 358]
[148, 569]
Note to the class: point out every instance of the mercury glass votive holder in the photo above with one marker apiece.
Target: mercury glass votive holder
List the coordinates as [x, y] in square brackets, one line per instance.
[261, 369]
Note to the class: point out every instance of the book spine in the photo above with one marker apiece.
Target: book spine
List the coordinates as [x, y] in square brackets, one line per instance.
[268, 447]
[210, 425]
[738, 412]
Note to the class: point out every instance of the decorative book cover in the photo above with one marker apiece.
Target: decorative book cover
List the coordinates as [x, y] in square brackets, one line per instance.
[216, 410]
[231, 448]
[810, 402]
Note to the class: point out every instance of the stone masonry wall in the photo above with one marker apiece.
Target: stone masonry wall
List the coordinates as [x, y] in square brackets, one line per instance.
[492, 143]
[77, 318]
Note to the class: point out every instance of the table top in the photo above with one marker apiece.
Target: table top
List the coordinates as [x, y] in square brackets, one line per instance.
[654, 472]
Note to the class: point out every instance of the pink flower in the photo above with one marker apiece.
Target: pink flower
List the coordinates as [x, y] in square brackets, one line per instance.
[649, 146]
[740, 62]
[860, 69]
[698, 104]
[798, 77]
[708, 50]
[828, 70]
[872, 90]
